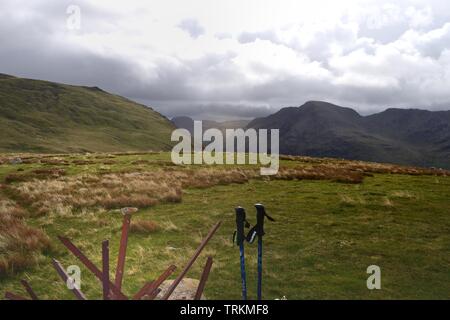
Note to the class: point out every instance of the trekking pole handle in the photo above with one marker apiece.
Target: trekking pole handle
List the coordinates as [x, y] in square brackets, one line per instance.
[260, 215]
[241, 222]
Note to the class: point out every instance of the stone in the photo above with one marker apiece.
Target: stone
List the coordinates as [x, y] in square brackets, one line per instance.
[16, 161]
[184, 291]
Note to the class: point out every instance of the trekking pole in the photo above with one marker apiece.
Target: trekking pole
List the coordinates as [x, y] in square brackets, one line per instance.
[258, 230]
[239, 237]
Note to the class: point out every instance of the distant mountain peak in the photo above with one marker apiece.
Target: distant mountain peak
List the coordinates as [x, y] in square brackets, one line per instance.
[318, 103]
[405, 136]
[6, 76]
[327, 107]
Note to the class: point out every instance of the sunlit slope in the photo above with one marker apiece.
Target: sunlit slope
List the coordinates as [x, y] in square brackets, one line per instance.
[40, 116]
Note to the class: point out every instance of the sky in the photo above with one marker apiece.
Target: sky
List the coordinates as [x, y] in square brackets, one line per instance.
[234, 59]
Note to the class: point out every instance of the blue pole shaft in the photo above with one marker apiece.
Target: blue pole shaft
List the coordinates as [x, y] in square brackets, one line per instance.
[243, 276]
[259, 268]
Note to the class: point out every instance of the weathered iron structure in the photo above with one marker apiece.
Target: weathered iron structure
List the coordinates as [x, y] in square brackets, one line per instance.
[112, 290]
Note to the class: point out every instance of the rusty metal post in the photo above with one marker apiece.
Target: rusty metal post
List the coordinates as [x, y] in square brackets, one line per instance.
[64, 276]
[105, 269]
[204, 278]
[88, 263]
[29, 290]
[13, 296]
[154, 294]
[123, 246]
[202, 245]
[150, 287]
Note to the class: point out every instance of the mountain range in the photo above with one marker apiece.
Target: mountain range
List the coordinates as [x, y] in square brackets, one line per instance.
[321, 129]
[48, 117]
[402, 136]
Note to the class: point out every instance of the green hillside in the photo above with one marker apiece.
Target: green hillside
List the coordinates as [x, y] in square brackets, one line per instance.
[41, 116]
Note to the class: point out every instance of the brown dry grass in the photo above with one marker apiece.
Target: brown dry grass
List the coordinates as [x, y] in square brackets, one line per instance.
[83, 162]
[368, 167]
[52, 192]
[144, 226]
[321, 172]
[50, 173]
[112, 191]
[144, 189]
[20, 245]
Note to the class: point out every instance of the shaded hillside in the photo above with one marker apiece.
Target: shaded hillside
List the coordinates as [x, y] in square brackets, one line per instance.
[414, 137]
[41, 116]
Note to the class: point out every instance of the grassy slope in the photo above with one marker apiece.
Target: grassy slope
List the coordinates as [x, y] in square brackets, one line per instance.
[40, 116]
[325, 237]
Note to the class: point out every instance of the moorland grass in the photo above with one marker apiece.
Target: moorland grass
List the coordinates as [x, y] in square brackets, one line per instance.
[326, 235]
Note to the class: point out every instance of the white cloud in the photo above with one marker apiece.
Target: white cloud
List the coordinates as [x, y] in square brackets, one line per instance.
[419, 18]
[256, 53]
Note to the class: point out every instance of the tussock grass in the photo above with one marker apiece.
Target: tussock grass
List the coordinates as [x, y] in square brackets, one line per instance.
[168, 226]
[50, 173]
[144, 226]
[83, 162]
[333, 173]
[113, 191]
[367, 167]
[20, 245]
[50, 191]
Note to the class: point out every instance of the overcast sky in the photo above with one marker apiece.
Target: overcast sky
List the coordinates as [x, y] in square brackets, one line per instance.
[237, 58]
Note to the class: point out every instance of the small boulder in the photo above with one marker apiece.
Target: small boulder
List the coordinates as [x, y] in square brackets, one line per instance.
[16, 160]
[186, 290]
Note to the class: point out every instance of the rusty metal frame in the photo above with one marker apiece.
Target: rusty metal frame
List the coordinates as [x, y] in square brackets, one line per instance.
[113, 290]
[13, 296]
[64, 276]
[91, 266]
[105, 270]
[202, 245]
[204, 278]
[29, 290]
[122, 251]
[150, 287]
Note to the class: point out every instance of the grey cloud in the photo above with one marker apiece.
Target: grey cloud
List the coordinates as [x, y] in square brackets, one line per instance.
[211, 86]
[211, 111]
[435, 42]
[193, 27]
[269, 35]
[31, 49]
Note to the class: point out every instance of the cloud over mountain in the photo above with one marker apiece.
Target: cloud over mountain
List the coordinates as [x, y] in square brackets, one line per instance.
[233, 58]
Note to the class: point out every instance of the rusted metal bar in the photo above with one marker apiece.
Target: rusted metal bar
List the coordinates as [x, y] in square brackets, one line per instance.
[13, 296]
[88, 263]
[154, 294]
[105, 269]
[64, 276]
[150, 287]
[204, 278]
[29, 290]
[202, 245]
[122, 248]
